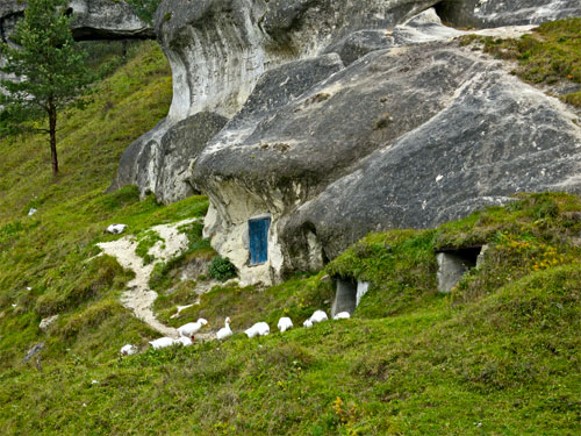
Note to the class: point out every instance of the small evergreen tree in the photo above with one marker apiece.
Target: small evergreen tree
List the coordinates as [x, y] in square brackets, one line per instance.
[49, 67]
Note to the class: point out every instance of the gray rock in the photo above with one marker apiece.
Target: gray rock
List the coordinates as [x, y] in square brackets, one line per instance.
[358, 44]
[45, 323]
[496, 137]
[92, 19]
[35, 349]
[157, 161]
[414, 132]
[280, 86]
[139, 163]
[408, 137]
[495, 13]
[451, 268]
[179, 146]
[107, 19]
[219, 49]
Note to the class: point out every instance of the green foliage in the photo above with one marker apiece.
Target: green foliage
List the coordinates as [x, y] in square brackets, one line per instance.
[222, 269]
[400, 265]
[145, 9]
[48, 65]
[504, 361]
[106, 57]
[552, 53]
[48, 62]
[50, 251]
[94, 279]
[498, 356]
[146, 241]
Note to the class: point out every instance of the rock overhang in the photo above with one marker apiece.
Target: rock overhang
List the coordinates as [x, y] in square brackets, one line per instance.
[91, 20]
[458, 137]
[221, 51]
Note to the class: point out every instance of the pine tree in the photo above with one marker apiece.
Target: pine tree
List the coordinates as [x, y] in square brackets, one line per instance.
[49, 67]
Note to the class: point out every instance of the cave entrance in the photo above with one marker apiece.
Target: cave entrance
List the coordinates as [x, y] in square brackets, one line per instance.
[258, 228]
[348, 295]
[453, 263]
[455, 12]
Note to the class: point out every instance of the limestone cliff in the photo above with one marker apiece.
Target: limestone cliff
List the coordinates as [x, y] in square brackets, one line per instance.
[342, 118]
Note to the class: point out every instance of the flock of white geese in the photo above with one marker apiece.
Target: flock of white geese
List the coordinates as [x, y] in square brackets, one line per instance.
[187, 331]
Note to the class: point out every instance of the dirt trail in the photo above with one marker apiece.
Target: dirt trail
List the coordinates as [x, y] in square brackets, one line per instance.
[138, 297]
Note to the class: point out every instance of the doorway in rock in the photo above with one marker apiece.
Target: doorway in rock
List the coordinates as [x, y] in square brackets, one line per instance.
[258, 228]
[348, 295]
[453, 264]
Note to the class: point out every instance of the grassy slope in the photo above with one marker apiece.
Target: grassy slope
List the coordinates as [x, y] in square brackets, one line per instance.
[551, 55]
[499, 355]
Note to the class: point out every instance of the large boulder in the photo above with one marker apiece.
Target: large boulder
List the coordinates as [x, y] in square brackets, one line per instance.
[406, 137]
[158, 161]
[495, 13]
[343, 121]
[219, 50]
[495, 137]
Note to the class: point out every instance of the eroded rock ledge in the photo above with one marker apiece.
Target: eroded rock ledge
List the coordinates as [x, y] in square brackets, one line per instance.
[92, 19]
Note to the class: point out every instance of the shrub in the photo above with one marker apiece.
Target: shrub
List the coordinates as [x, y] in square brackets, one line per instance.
[222, 269]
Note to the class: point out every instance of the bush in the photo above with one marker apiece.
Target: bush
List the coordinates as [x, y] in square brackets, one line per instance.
[222, 269]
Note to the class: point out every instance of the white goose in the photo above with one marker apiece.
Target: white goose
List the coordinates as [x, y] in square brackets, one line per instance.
[185, 341]
[128, 350]
[162, 342]
[318, 316]
[342, 315]
[258, 329]
[190, 329]
[225, 331]
[284, 324]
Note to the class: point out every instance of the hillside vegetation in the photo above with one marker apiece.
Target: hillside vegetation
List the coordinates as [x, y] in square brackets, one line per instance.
[551, 56]
[498, 355]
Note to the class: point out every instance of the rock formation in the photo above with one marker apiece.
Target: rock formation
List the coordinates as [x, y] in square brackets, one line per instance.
[342, 122]
[92, 19]
[219, 50]
[496, 13]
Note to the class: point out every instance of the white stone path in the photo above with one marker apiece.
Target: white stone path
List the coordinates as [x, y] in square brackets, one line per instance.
[138, 297]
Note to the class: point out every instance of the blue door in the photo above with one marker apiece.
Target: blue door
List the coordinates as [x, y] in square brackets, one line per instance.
[258, 236]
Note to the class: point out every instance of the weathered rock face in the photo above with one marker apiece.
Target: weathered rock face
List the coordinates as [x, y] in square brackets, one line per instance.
[276, 89]
[219, 50]
[92, 19]
[107, 19]
[496, 137]
[181, 145]
[407, 137]
[495, 13]
[343, 122]
[158, 161]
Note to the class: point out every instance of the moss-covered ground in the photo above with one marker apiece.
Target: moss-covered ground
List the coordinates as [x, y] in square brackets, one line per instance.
[498, 355]
[550, 55]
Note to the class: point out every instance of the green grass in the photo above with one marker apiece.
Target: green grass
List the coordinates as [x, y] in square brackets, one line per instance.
[499, 355]
[552, 53]
[49, 251]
